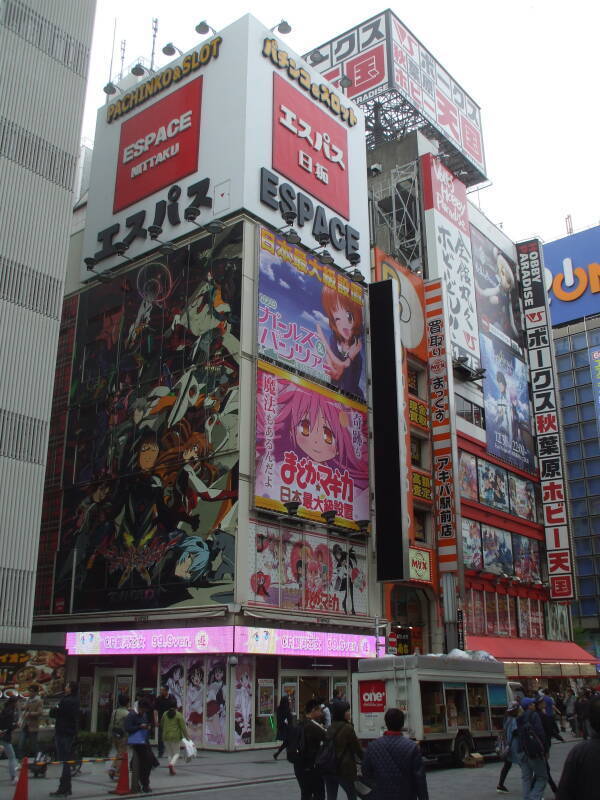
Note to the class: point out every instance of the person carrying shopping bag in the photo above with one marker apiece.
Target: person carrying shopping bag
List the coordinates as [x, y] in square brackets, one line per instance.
[173, 730]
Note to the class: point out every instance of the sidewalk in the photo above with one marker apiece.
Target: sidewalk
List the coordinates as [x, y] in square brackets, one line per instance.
[211, 769]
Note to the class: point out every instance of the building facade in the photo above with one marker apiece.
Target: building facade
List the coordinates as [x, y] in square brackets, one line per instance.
[44, 55]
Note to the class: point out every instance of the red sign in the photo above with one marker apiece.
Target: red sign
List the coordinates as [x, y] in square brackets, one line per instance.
[309, 147]
[159, 145]
[372, 696]
[445, 193]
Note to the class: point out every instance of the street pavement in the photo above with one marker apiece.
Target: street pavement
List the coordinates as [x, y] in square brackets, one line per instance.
[255, 775]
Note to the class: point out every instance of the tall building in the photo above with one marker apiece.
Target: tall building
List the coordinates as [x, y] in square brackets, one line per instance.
[44, 56]
[573, 280]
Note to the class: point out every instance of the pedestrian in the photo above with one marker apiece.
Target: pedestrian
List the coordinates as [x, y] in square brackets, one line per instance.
[164, 702]
[509, 728]
[173, 730]
[137, 725]
[581, 772]
[326, 713]
[548, 726]
[29, 723]
[8, 723]
[117, 733]
[284, 719]
[531, 737]
[393, 762]
[582, 710]
[570, 701]
[347, 751]
[66, 724]
[309, 779]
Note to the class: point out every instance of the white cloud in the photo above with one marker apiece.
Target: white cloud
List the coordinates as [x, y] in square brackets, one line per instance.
[284, 284]
[267, 269]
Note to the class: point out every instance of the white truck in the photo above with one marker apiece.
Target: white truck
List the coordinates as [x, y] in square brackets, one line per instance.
[453, 706]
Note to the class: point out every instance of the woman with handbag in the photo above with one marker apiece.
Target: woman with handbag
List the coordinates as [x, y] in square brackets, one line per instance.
[511, 744]
[117, 734]
[173, 730]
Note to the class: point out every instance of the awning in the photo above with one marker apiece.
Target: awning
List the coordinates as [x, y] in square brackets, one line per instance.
[539, 650]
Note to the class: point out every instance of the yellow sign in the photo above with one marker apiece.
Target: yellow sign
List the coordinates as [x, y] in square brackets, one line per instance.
[419, 564]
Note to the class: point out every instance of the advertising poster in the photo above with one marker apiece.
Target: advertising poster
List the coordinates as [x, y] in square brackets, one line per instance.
[476, 613]
[244, 700]
[572, 265]
[266, 697]
[291, 689]
[491, 624]
[536, 619]
[21, 667]
[216, 701]
[524, 618]
[493, 485]
[194, 697]
[497, 550]
[557, 622]
[172, 675]
[522, 497]
[506, 400]
[526, 558]
[311, 448]
[341, 687]
[595, 370]
[472, 549]
[310, 317]
[503, 615]
[497, 292]
[467, 475]
[313, 572]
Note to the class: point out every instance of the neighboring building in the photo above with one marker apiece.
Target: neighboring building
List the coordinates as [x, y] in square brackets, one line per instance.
[573, 276]
[44, 56]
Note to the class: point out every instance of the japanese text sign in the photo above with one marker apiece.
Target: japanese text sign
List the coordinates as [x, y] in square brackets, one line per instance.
[151, 641]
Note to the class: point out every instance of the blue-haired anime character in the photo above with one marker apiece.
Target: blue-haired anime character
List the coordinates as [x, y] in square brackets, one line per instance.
[194, 559]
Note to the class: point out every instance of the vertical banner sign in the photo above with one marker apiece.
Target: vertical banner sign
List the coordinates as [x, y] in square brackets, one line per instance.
[449, 248]
[441, 427]
[595, 367]
[545, 406]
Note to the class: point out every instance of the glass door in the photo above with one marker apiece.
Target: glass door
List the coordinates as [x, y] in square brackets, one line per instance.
[108, 685]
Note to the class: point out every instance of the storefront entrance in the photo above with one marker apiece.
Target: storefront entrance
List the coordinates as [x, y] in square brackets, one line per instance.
[300, 688]
[109, 683]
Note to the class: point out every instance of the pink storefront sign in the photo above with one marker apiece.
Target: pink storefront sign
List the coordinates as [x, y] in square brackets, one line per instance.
[151, 642]
[273, 641]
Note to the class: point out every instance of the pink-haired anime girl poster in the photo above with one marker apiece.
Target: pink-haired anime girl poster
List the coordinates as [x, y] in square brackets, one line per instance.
[311, 448]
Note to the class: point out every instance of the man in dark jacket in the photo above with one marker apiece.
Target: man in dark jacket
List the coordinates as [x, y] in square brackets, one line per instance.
[66, 724]
[309, 780]
[581, 772]
[534, 771]
[395, 764]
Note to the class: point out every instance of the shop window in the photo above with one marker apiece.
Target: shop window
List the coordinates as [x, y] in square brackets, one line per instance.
[475, 615]
[503, 615]
[478, 707]
[536, 616]
[405, 606]
[512, 610]
[469, 411]
[456, 705]
[432, 704]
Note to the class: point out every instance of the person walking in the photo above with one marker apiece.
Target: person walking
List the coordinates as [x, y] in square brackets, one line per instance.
[164, 702]
[117, 733]
[137, 725]
[173, 730]
[347, 751]
[581, 772]
[66, 716]
[309, 779]
[570, 701]
[510, 737]
[8, 723]
[29, 723]
[531, 736]
[393, 762]
[285, 720]
[548, 726]
[582, 710]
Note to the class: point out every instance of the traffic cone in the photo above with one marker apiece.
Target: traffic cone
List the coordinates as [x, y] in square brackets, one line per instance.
[22, 787]
[123, 782]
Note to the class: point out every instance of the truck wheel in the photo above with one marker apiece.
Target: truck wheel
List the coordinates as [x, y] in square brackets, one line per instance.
[462, 750]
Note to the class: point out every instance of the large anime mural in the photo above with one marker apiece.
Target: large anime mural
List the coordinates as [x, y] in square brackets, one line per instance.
[150, 474]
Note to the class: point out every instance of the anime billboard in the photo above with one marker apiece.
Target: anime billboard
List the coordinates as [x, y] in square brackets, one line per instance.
[527, 558]
[493, 485]
[310, 317]
[467, 476]
[471, 539]
[497, 550]
[312, 572]
[506, 399]
[522, 498]
[311, 448]
[497, 292]
[150, 473]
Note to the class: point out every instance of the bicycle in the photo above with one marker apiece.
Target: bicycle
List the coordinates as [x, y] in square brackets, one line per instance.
[43, 758]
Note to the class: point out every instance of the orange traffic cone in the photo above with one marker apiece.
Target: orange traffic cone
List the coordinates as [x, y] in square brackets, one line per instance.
[22, 787]
[123, 782]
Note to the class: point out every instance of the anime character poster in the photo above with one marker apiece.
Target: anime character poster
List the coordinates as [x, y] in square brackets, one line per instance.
[266, 697]
[310, 317]
[522, 497]
[195, 696]
[172, 675]
[151, 460]
[244, 700]
[527, 558]
[524, 617]
[265, 563]
[493, 485]
[311, 448]
[497, 550]
[291, 689]
[506, 399]
[497, 292]
[467, 475]
[471, 542]
[557, 622]
[215, 723]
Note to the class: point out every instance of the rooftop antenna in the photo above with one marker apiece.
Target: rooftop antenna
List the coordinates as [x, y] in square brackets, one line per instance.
[112, 52]
[154, 35]
[569, 224]
[123, 46]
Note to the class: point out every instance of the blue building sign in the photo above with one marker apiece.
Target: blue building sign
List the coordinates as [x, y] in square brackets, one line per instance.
[573, 276]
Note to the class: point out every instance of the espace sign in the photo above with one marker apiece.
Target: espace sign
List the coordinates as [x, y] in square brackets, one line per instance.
[371, 696]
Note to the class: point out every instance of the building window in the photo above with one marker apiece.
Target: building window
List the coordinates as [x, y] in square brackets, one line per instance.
[563, 363]
[565, 381]
[561, 345]
[577, 489]
[420, 525]
[579, 341]
[583, 376]
[589, 607]
[567, 397]
[573, 452]
[416, 452]
[581, 359]
[585, 566]
[570, 415]
[575, 469]
[470, 412]
[413, 381]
